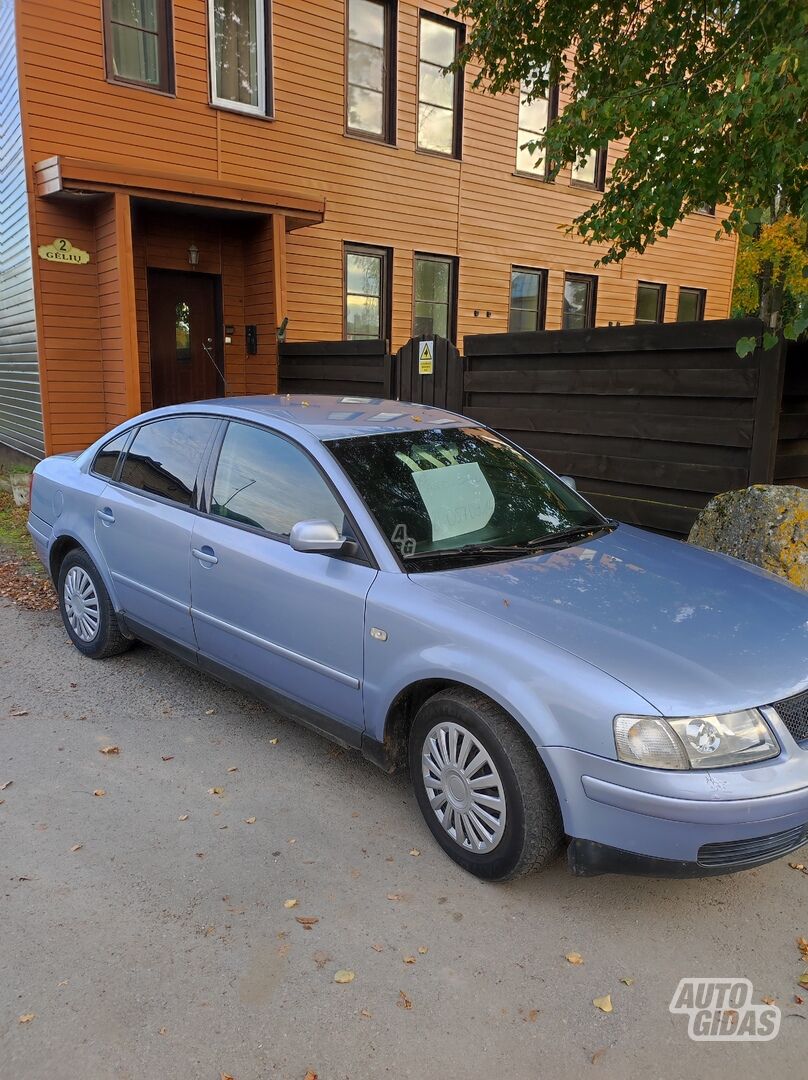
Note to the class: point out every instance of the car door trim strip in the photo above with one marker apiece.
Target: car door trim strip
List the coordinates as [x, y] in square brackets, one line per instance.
[140, 587]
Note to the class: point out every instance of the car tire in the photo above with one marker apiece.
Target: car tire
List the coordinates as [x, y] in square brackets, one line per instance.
[510, 826]
[86, 609]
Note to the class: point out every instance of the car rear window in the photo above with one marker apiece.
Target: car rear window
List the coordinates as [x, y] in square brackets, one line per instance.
[165, 456]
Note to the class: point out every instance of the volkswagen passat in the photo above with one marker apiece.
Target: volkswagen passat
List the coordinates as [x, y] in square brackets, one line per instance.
[413, 584]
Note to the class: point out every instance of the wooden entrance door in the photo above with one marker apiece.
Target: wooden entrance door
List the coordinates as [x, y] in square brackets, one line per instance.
[185, 341]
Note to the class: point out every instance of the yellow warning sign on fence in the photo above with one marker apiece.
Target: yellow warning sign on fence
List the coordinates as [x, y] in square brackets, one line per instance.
[426, 357]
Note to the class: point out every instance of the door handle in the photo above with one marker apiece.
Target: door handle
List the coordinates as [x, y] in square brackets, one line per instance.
[106, 515]
[205, 555]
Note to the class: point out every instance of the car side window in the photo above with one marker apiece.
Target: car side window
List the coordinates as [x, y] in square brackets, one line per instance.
[267, 482]
[165, 455]
[107, 457]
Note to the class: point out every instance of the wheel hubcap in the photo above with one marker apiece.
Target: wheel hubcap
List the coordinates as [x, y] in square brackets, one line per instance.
[464, 788]
[81, 603]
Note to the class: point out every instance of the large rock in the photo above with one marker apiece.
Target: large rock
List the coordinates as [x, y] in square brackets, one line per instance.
[765, 524]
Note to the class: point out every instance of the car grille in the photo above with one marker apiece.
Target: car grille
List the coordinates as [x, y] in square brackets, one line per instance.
[748, 852]
[794, 714]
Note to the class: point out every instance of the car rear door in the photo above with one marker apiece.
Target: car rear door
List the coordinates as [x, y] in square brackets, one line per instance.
[291, 621]
[143, 523]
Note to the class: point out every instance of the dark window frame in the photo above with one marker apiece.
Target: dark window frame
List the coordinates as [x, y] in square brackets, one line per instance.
[454, 274]
[386, 297]
[390, 90]
[599, 183]
[165, 48]
[662, 294]
[701, 294]
[266, 111]
[459, 87]
[541, 311]
[552, 115]
[364, 554]
[592, 300]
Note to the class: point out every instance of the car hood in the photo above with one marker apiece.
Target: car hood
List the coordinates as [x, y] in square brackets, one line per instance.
[693, 632]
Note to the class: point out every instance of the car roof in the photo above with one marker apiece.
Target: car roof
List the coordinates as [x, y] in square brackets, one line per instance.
[333, 416]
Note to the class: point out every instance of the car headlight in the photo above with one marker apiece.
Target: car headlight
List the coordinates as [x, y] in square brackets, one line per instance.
[694, 742]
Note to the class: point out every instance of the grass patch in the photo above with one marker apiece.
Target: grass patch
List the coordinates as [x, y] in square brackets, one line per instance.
[14, 538]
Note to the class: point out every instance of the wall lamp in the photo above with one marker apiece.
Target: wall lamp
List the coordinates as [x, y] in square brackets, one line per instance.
[193, 255]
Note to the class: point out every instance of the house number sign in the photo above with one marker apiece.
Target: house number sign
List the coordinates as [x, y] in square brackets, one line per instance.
[63, 251]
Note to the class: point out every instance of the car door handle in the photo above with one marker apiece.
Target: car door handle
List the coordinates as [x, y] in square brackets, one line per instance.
[205, 555]
[106, 515]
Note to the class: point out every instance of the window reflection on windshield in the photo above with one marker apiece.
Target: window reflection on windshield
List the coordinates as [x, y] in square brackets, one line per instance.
[444, 488]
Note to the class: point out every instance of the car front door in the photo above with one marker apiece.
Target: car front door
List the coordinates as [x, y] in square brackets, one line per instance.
[292, 621]
[143, 524]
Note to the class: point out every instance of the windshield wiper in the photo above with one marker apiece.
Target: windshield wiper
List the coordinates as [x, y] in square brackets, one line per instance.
[575, 533]
[469, 551]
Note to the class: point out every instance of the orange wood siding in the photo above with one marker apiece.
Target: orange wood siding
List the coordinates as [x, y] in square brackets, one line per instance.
[392, 196]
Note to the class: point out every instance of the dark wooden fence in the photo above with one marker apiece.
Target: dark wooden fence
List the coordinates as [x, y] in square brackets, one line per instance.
[362, 368]
[650, 420]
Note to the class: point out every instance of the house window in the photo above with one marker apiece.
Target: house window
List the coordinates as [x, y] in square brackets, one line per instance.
[650, 303]
[367, 292]
[435, 289]
[591, 172]
[371, 69]
[579, 301]
[138, 42]
[534, 118]
[440, 92]
[528, 299]
[239, 55]
[691, 305]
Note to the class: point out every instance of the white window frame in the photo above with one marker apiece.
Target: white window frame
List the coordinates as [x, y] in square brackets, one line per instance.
[264, 107]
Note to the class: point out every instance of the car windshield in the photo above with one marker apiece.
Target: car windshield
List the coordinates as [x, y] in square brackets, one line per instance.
[461, 493]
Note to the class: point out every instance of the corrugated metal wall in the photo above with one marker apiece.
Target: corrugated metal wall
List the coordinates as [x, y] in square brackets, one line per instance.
[20, 406]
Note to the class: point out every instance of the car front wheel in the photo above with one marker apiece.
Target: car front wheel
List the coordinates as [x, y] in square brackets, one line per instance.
[86, 608]
[482, 788]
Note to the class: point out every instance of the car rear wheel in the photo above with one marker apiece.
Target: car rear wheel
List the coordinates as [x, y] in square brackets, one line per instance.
[86, 608]
[482, 788]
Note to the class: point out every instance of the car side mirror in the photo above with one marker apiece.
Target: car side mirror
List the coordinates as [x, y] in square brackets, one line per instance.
[320, 536]
[569, 481]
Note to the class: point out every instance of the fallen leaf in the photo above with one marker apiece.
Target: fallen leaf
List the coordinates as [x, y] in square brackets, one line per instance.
[603, 1003]
[215, 791]
[769, 1000]
[26, 1018]
[321, 959]
[200, 854]
[799, 866]
[290, 903]
[733, 1015]
[423, 950]
[274, 742]
[393, 896]
[574, 958]
[226, 1076]
[409, 959]
[532, 1016]
[414, 852]
[77, 847]
[110, 750]
[183, 817]
[162, 1031]
[377, 948]
[64, 982]
[803, 980]
[403, 1001]
[344, 976]
[627, 981]
[249, 820]
[364, 1014]
[18, 712]
[168, 757]
[209, 712]
[802, 945]
[7, 784]
[598, 1054]
[798, 1000]
[99, 791]
[310, 1075]
[306, 921]
[233, 768]
[292, 841]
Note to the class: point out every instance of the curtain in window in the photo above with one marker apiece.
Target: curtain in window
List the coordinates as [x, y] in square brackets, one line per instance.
[236, 34]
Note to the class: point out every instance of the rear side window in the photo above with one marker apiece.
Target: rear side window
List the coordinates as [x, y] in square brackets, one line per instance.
[107, 457]
[164, 457]
[267, 482]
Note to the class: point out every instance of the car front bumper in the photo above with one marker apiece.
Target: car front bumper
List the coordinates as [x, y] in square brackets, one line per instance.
[625, 819]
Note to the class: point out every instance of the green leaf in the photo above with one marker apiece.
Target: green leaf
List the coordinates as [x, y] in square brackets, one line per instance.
[745, 346]
[769, 340]
[795, 327]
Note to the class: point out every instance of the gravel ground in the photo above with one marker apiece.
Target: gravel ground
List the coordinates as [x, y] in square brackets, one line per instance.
[162, 946]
